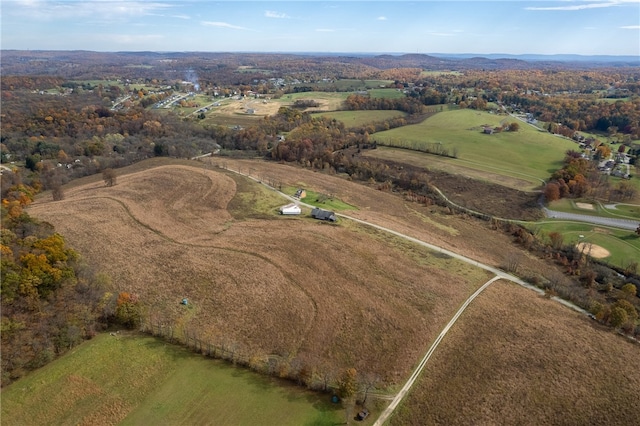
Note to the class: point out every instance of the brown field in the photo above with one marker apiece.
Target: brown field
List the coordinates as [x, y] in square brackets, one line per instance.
[344, 294]
[514, 358]
[234, 112]
[293, 287]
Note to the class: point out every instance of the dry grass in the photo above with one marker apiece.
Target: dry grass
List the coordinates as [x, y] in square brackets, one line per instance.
[514, 358]
[287, 286]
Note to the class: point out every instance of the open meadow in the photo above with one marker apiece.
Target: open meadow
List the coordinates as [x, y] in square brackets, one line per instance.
[256, 281]
[528, 154]
[361, 118]
[132, 379]
[335, 296]
[516, 358]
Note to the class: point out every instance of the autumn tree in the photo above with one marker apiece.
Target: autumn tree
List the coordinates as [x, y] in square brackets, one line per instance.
[347, 383]
[557, 240]
[618, 317]
[629, 289]
[514, 127]
[551, 192]
[109, 176]
[128, 310]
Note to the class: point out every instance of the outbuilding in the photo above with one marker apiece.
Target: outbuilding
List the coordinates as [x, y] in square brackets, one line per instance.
[323, 215]
[290, 209]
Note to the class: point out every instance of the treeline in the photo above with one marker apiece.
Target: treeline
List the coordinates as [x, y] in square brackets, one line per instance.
[586, 114]
[312, 372]
[612, 298]
[359, 102]
[50, 301]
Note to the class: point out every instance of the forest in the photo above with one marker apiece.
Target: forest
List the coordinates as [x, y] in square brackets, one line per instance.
[57, 126]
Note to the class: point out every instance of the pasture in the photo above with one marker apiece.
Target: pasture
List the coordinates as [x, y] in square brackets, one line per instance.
[341, 295]
[516, 358]
[527, 154]
[360, 118]
[266, 284]
[134, 379]
[347, 84]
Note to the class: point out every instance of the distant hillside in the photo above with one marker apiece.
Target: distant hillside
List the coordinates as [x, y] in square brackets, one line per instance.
[80, 64]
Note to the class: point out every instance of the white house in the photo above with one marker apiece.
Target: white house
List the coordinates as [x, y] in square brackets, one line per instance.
[292, 208]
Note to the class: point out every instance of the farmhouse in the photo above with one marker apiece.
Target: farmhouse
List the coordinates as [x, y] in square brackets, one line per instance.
[323, 215]
[290, 209]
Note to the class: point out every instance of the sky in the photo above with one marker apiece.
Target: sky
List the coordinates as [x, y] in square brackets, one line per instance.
[584, 27]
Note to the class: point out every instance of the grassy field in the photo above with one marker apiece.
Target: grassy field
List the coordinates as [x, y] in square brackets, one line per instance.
[136, 380]
[266, 283]
[514, 358]
[353, 84]
[386, 93]
[329, 101]
[341, 295]
[325, 201]
[527, 154]
[360, 118]
[623, 246]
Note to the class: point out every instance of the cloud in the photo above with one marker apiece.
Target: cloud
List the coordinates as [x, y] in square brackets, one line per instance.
[631, 27]
[583, 6]
[66, 9]
[222, 25]
[382, 18]
[442, 34]
[325, 30]
[276, 15]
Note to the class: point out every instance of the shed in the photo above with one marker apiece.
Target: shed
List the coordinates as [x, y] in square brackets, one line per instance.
[292, 208]
[323, 215]
[300, 193]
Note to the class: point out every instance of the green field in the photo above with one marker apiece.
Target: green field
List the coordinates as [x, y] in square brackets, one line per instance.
[325, 201]
[353, 84]
[527, 154]
[387, 93]
[623, 246]
[140, 380]
[332, 99]
[360, 118]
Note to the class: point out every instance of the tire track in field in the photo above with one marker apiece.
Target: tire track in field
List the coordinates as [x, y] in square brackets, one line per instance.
[165, 237]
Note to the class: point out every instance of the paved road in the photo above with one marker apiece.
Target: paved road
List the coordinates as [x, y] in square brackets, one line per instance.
[596, 220]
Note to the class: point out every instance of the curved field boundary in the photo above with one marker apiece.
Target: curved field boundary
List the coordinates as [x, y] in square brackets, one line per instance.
[165, 237]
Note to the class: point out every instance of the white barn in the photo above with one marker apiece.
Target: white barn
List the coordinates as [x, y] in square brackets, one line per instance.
[292, 208]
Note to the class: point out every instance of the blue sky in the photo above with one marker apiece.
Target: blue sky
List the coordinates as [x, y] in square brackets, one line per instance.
[586, 27]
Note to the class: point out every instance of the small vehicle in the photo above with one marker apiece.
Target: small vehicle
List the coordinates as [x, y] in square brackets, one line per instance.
[362, 415]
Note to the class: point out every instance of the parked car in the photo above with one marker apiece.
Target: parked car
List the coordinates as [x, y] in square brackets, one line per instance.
[362, 415]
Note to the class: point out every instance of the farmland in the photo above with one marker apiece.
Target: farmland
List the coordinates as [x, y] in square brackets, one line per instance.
[266, 284]
[507, 361]
[136, 379]
[533, 155]
[360, 118]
